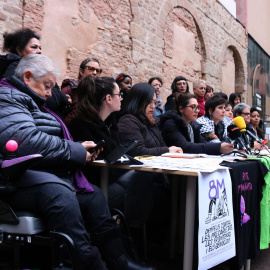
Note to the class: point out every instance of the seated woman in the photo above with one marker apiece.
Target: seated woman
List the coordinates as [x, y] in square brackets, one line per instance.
[56, 189]
[132, 191]
[255, 122]
[138, 123]
[213, 128]
[229, 110]
[19, 44]
[243, 110]
[157, 83]
[179, 85]
[179, 128]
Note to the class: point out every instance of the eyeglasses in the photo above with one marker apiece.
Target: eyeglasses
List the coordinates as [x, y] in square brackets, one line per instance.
[120, 94]
[194, 108]
[246, 113]
[92, 69]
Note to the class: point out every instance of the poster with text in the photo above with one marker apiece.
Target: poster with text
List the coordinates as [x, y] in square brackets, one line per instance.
[216, 240]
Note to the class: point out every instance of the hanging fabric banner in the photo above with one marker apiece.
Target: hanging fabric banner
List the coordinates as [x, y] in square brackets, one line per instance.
[216, 240]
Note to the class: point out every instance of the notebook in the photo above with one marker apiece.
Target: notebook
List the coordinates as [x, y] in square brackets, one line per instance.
[118, 155]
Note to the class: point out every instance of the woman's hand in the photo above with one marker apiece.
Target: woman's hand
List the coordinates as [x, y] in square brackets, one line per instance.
[259, 146]
[69, 98]
[226, 148]
[90, 156]
[175, 149]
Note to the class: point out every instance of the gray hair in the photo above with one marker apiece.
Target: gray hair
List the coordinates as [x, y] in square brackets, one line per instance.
[196, 83]
[38, 64]
[239, 108]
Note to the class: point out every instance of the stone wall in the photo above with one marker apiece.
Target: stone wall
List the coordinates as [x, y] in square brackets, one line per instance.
[11, 13]
[144, 38]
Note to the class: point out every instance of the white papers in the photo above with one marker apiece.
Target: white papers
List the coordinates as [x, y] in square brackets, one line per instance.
[182, 164]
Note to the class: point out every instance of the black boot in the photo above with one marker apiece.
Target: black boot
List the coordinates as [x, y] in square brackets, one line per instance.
[112, 251]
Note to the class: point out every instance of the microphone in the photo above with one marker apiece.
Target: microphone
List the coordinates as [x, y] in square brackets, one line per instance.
[234, 134]
[240, 123]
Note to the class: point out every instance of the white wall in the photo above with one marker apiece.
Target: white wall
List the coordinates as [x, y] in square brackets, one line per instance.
[230, 5]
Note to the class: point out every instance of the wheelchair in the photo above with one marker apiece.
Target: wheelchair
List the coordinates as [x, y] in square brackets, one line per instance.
[25, 242]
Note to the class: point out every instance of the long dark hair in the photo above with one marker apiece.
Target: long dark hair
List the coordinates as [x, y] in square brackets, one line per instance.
[140, 95]
[15, 42]
[233, 96]
[174, 87]
[91, 93]
[182, 99]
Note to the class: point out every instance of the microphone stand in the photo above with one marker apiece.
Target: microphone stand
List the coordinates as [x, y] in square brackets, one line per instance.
[235, 152]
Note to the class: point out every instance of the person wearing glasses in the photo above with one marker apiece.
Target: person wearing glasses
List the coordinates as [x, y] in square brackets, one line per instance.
[129, 191]
[157, 83]
[213, 128]
[242, 109]
[180, 85]
[180, 128]
[199, 89]
[88, 67]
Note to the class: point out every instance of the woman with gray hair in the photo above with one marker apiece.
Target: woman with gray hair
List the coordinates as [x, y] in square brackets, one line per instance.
[243, 110]
[56, 188]
[199, 89]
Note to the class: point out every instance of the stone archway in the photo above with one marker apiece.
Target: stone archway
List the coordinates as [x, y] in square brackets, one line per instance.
[232, 70]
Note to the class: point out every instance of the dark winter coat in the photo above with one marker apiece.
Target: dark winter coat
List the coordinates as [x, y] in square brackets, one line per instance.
[58, 102]
[169, 106]
[108, 131]
[36, 132]
[150, 141]
[175, 132]
[8, 64]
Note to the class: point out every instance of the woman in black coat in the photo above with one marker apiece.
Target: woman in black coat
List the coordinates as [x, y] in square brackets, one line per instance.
[138, 123]
[129, 191]
[178, 128]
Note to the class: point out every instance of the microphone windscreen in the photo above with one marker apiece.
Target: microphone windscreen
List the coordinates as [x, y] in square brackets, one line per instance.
[233, 132]
[240, 122]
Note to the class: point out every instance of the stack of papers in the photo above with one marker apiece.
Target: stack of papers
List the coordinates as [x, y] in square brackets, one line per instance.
[183, 164]
[183, 155]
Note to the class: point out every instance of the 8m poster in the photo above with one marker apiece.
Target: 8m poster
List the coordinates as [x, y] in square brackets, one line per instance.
[216, 240]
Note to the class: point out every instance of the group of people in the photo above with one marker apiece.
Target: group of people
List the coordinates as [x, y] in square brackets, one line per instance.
[64, 124]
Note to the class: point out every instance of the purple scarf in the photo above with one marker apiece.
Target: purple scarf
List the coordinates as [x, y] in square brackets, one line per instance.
[80, 182]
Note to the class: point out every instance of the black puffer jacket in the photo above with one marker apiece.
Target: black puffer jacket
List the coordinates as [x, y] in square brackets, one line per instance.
[175, 132]
[8, 64]
[35, 131]
[150, 141]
